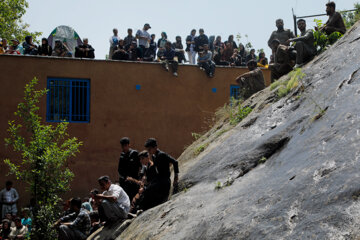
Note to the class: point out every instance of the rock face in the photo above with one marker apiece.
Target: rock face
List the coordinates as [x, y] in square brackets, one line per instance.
[292, 166]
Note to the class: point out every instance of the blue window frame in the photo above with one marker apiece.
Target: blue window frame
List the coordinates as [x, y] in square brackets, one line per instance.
[68, 100]
[235, 92]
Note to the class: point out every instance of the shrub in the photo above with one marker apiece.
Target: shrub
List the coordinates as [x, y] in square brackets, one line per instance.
[44, 152]
[322, 41]
[285, 86]
[237, 112]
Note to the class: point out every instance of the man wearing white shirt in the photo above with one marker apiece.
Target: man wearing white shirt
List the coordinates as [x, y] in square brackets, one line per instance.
[115, 203]
[114, 40]
[8, 198]
[144, 38]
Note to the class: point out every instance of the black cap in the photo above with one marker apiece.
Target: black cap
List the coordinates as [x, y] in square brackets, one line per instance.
[124, 141]
[151, 142]
[147, 25]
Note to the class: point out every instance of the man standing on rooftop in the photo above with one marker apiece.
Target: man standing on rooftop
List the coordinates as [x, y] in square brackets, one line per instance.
[144, 38]
[114, 40]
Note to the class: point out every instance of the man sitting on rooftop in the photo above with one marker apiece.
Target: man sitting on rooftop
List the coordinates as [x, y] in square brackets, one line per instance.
[335, 22]
[85, 50]
[305, 48]
[179, 50]
[205, 62]
[15, 48]
[29, 47]
[60, 50]
[168, 59]
[251, 82]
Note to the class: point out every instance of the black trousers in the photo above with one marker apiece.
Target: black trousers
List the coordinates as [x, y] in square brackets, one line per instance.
[209, 67]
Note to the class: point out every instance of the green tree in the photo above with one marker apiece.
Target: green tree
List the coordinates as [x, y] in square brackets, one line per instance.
[44, 150]
[350, 18]
[11, 24]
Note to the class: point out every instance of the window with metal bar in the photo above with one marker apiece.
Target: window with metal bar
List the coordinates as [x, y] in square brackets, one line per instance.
[68, 100]
[235, 92]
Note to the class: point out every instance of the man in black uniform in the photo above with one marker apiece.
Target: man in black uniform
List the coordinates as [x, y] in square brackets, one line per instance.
[305, 48]
[335, 22]
[129, 166]
[252, 81]
[281, 34]
[162, 162]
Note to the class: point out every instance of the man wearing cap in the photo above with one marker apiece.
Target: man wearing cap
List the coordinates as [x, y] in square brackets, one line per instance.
[144, 38]
[115, 203]
[252, 81]
[128, 168]
[162, 162]
[305, 48]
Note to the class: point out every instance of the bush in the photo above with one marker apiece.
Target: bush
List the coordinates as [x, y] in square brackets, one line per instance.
[322, 41]
[44, 152]
[284, 87]
[237, 112]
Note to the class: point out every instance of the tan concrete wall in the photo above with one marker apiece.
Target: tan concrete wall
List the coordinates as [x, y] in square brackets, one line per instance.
[166, 107]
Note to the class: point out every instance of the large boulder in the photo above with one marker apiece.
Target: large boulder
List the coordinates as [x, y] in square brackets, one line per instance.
[290, 170]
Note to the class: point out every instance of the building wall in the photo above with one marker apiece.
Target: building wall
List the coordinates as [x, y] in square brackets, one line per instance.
[166, 107]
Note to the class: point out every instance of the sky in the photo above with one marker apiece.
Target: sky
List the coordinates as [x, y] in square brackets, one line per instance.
[95, 19]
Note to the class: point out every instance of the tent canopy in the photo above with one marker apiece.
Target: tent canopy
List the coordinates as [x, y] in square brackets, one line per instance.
[67, 35]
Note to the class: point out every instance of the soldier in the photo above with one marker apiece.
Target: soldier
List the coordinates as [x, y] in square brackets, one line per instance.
[281, 34]
[129, 166]
[335, 22]
[305, 48]
[283, 63]
[251, 82]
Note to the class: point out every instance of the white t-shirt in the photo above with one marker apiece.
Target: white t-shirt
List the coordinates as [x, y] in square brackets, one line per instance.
[143, 42]
[114, 40]
[122, 198]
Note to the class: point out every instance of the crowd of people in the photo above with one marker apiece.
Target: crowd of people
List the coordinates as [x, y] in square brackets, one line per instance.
[144, 178]
[287, 57]
[288, 51]
[144, 182]
[13, 225]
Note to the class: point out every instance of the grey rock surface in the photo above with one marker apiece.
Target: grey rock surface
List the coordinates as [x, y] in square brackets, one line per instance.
[309, 186]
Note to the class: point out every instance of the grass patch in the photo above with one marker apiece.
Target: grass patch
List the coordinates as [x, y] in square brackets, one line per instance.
[221, 132]
[237, 112]
[196, 136]
[284, 87]
[262, 160]
[219, 185]
[201, 148]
